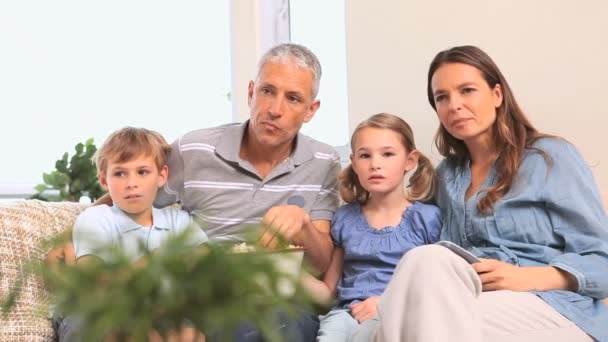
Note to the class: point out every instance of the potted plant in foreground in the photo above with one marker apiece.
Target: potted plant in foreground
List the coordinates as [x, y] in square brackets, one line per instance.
[210, 286]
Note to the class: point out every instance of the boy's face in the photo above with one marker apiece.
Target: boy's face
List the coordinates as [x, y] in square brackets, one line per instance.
[133, 186]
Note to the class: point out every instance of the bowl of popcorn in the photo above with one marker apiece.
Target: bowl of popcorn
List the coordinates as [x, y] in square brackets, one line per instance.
[287, 261]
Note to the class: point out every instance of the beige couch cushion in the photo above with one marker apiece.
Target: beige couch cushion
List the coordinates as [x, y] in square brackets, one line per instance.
[23, 226]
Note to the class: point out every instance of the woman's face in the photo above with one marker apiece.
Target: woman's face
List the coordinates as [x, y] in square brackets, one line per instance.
[465, 103]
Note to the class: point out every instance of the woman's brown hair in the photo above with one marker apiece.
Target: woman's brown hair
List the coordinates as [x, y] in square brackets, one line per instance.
[421, 184]
[512, 131]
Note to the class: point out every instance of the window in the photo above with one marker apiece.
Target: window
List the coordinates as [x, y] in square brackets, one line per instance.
[320, 26]
[71, 70]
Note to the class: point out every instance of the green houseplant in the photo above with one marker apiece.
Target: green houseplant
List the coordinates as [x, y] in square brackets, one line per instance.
[73, 177]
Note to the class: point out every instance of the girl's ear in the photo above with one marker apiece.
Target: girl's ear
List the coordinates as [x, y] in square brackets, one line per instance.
[412, 160]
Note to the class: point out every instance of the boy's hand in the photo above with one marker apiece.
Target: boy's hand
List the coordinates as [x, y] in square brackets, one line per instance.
[364, 310]
[62, 253]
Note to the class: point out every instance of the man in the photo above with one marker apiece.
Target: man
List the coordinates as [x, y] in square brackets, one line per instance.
[263, 171]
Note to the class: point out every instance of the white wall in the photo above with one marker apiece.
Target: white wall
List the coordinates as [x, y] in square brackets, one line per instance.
[553, 53]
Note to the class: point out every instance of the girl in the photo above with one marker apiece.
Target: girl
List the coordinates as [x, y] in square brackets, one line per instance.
[379, 224]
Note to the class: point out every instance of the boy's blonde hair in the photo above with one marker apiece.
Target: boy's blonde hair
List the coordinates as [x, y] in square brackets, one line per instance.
[129, 143]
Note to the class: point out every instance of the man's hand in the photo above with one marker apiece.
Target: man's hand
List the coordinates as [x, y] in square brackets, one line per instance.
[286, 221]
[499, 275]
[364, 310]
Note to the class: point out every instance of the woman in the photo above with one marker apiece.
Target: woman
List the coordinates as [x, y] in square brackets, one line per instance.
[524, 202]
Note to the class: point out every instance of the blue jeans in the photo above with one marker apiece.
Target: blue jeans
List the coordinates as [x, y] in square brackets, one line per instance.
[300, 328]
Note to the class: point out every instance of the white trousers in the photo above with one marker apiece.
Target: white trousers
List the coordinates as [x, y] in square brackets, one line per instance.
[435, 296]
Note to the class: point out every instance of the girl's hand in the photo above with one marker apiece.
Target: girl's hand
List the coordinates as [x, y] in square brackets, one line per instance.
[364, 310]
[499, 275]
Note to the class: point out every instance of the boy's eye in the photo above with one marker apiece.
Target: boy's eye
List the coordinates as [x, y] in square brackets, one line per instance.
[143, 172]
[119, 173]
[364, 155]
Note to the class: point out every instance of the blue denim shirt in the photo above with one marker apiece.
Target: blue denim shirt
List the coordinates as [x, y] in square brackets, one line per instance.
[552, 215]
[371, 255]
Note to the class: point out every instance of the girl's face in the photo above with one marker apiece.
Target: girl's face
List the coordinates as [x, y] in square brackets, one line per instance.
[465, 104]
[380, 160]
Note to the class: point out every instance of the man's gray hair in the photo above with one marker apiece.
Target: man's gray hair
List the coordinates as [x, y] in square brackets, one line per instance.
[302, 56]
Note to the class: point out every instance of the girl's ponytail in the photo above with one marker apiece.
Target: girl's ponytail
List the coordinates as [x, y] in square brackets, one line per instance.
[350, 188]
[421, 185]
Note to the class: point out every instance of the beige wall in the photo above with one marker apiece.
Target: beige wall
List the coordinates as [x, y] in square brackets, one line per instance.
[553, 53]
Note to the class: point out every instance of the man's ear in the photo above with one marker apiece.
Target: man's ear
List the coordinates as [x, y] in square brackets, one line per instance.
[312, 109]
[163, 175]
[412, 160]
[103, 180]
[250, 90]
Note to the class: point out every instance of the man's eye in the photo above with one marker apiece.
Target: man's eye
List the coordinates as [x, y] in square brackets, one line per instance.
[294, 99]
[265, 91]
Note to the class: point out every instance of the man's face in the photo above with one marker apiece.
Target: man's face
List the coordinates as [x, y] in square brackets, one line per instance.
[280, 101]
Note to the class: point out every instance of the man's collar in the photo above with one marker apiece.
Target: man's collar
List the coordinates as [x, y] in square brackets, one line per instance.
[126, 224]
[229, 145]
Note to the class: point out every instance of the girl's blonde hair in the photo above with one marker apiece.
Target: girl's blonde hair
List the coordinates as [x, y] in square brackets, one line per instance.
[421, 185]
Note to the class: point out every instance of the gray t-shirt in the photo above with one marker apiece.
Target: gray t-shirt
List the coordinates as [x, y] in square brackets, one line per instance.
[225, 193]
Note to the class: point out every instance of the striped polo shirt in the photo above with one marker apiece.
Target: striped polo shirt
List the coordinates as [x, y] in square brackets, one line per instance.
[225, 193]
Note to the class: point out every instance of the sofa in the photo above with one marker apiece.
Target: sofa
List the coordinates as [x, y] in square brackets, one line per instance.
[24, 226]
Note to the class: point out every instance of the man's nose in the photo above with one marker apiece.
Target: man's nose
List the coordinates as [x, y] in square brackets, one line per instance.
[276, 106]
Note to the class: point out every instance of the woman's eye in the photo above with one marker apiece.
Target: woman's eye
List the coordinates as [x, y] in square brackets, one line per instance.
[468, 90]
[439, 98]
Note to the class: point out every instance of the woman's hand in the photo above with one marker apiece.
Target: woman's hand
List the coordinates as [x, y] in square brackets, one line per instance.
[364, 310]
[499, 275]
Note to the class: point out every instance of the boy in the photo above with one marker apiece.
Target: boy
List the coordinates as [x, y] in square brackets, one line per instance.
[131, 166]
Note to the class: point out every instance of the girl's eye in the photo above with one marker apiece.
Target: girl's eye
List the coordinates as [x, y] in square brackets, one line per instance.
[388, 154]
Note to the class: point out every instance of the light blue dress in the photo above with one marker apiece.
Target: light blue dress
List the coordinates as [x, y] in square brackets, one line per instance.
[552, 215]
[370, 258]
